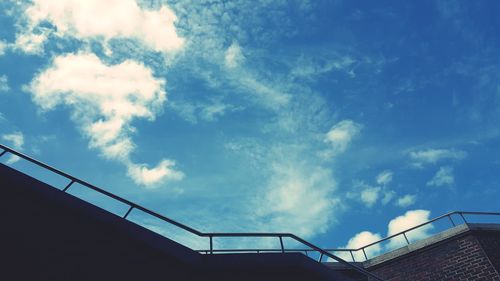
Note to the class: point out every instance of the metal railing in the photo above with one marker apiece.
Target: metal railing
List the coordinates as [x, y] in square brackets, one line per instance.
[209, 235]
[448, 217]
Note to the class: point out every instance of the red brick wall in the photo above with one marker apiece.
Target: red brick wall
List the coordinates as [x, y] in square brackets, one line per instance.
[461, 258]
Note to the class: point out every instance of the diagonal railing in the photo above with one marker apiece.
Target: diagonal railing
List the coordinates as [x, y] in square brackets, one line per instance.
[209, 235]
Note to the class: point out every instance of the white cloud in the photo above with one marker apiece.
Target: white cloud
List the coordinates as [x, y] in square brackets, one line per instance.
[309, 68]
[17, 141]
[234, 56]
[207, 111]
[164, 171]
[388, 196]
[406, 200]
[367, 194]
[31, 43]
[340, 136]
[408, 220]
[4, 84]
[3, 47]
[444, 176]
[370, 195]
[384, 177]
[298, 199]
[359, 240]
[16, 138]
[104, 100]
[401, 223]
[101, 20]
[433, 156]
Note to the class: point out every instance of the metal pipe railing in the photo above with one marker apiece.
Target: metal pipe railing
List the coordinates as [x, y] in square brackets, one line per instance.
[211, 236]
[403, 233]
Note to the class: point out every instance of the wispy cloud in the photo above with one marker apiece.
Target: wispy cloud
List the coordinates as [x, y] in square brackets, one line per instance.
[4, 84]
[384, 177]
[340, 136]
[432, 156]
[444, 176]
[310, 68]
[110, 19]
[17, 141]
[298, 198]
[193, 111]
[104, 100]
[370, 195]
[406, 201]
[3, 47]
[234, 56]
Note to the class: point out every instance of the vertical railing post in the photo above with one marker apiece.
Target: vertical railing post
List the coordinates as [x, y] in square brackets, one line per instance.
[364, 253]
[320, 257]
[352, 256]
[281, 243]
[68, 185]
[211, 245]
[128, 212]
[462, 215]
[451, 220]
[406, 238]
[3, 152]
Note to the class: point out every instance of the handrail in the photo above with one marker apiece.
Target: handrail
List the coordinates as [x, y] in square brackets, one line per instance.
[183, 226]
[449, 215]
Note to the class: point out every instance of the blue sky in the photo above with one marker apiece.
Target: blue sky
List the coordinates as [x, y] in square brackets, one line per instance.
[339, 121]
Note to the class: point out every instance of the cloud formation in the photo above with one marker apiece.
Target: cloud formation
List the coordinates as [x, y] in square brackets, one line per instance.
[406, 201]
[104, 100]
[299, 199]
[234, 56]
[384, 177]
[4, 84]
[340, 136]
[433, 156]
[408, 220]
[359, 240]
[444, 176]
[17, 141]
[3, 47]
[98, 20]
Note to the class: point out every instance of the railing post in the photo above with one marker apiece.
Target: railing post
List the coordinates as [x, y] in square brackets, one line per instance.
[364, 253]
[211, 245]
[406, 238]
[128, 212]
[352, 256]
[463, 218]
[281, 243]
[68, 185]
[320, 257]
[451, 220]
[3, 152]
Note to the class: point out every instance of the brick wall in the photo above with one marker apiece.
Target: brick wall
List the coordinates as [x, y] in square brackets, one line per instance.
[457, 259]
[491, 245]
